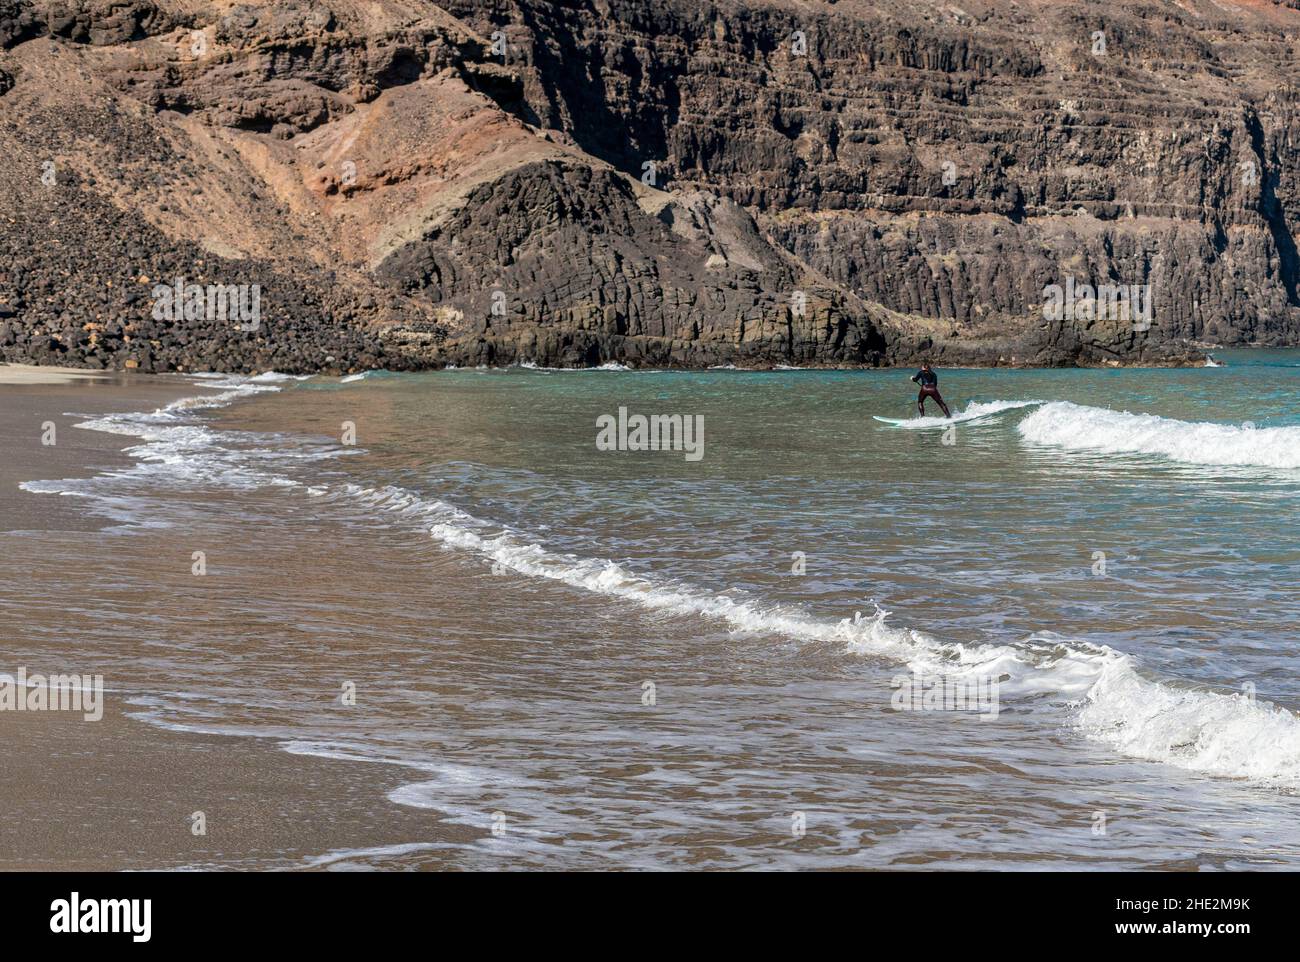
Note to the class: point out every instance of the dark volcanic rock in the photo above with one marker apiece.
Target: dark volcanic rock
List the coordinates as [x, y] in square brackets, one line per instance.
[657, 182]
[565, 265]
[947, 164]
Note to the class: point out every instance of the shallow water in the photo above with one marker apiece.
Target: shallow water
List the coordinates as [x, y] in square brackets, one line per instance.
[1113, 550]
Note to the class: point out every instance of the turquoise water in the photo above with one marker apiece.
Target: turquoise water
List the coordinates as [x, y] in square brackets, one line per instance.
[992, 532]
[1114, 549]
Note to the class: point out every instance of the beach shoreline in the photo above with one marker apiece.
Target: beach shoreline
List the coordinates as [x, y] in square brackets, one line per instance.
[120, 793]
[499, 644]
[39, 411]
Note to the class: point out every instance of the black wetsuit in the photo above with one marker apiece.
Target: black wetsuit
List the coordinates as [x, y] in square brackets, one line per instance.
[929, 382]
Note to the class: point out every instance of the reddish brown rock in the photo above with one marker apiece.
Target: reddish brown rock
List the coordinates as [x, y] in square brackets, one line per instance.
[658, 182]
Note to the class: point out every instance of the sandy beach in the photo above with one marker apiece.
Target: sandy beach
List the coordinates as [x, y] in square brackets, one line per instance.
[475, 640]
[120, 793]
[34, 398]
[31, 374]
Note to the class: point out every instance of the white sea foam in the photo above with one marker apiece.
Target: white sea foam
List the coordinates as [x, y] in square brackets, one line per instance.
[1077, 427]
[1198, 730]
[1137, 715]
[176, 448]
[344, 859]
[534, 366]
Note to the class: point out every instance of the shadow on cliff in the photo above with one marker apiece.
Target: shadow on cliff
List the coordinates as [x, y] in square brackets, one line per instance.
[574, 76]
[1274, 213]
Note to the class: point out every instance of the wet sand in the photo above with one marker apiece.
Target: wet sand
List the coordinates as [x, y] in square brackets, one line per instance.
[31, 399]
[119, 793]
[31, 374]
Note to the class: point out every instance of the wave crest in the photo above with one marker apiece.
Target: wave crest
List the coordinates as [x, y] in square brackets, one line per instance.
[1078, 427]
[1158, 720]
[1202, 731]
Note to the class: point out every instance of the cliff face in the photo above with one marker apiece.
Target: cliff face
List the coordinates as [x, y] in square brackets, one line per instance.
[947, 163]
[663, 182]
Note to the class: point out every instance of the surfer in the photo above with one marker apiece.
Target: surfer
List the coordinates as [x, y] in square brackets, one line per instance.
[929, 382]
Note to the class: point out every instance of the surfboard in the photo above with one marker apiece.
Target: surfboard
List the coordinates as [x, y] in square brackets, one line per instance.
[975, 411]
[929, 421]
[936, 420]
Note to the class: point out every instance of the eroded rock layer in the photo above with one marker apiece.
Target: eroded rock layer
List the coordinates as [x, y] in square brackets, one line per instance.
[653, 182]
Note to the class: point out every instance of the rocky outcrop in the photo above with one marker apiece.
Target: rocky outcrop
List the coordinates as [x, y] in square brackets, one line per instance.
[566, 263]
[948, 163]
[655, 182]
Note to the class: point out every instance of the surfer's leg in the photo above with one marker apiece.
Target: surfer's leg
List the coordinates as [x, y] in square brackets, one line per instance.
[920, 402]
[946, 412]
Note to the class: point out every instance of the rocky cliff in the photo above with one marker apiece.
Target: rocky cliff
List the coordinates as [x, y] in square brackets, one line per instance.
[656, 182]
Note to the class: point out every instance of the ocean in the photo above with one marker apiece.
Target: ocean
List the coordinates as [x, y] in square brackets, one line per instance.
[1058, 633]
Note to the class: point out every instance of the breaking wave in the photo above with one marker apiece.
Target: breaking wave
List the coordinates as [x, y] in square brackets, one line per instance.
[1077, 427]
[176, 449]
[1113, 702]
[1195, 729]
